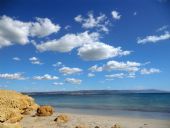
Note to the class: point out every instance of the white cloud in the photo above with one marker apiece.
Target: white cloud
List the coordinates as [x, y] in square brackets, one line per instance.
[70, 71]
[118, 75]
[95, 68]
[78, 18]
[45, 77]
[12, 76]
[100, 22]
[131, 75]
[154, 38]
[149, 71]
[68, 42]
[57, 64]
[88, 44]
[14, 31]
[128, 66]
[43, 27]
[16, 58]
[58, 83]
[116, 15]
[123, 66]
[162, 28]
[67, 27]
[73, 81]
[91, 75]
[35, 60]
[100, 51]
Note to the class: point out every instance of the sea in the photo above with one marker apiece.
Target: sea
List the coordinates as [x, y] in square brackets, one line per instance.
[142, 105]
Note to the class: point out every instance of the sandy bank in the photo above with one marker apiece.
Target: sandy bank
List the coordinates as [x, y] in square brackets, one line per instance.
[90, 121]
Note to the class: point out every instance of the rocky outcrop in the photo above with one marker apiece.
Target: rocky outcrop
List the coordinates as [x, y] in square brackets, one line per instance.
[45, 111]
[13, 105]
[62, 118]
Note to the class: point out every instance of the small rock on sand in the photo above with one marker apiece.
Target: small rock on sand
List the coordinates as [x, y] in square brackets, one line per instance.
[45, 111]
[116, 126]
[62, 118]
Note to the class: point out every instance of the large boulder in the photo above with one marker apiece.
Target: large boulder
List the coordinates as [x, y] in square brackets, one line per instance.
[62, 118]
[13, 105]
[45, 111]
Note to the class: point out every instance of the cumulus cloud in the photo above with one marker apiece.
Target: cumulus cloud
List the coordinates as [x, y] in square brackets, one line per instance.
[43, 27]
[58, 83]
[45, 77]
[70, 71]
[162, 28]
[13, 31]
[57, 64]
[73, 81]
[100, 22]
[88, 44]
[116, 15]
[67, 42]
[120, 76]
[100, 51]
[96, 68]
[67, 27]
[128, 66]
[123, 66]
[16, 58]
[35, 60]
[12, 76]
[154, 38]
[149, 71]
[91, 75]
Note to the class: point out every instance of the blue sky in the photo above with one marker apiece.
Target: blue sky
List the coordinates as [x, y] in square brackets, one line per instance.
[79, 45]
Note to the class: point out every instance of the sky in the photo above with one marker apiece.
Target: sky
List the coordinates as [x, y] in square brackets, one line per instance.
[61, 45]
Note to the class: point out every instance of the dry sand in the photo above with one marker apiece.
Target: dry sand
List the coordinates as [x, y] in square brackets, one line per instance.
[90, 121]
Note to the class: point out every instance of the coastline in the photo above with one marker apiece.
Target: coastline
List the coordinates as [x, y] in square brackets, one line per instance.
[90, 121]
[117, 113]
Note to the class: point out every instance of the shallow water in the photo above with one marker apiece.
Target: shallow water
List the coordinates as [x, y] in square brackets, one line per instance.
[147, 105]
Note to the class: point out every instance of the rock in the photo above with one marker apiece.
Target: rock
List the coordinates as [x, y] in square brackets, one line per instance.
[96, 127]
[45, 111]
[13, 105]
[8, 125]
[62, 118]
[14, 117]
[116, 126]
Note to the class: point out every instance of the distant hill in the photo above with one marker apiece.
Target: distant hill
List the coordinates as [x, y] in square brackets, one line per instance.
[96, 92]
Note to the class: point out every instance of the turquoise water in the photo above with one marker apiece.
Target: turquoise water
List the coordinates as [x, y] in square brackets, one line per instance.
[151, 105]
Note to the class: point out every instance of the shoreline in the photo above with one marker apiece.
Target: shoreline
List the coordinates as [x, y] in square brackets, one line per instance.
[118, 113]
[90, 121]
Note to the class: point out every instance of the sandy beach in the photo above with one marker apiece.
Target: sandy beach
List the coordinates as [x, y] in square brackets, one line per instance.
[91, 121]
